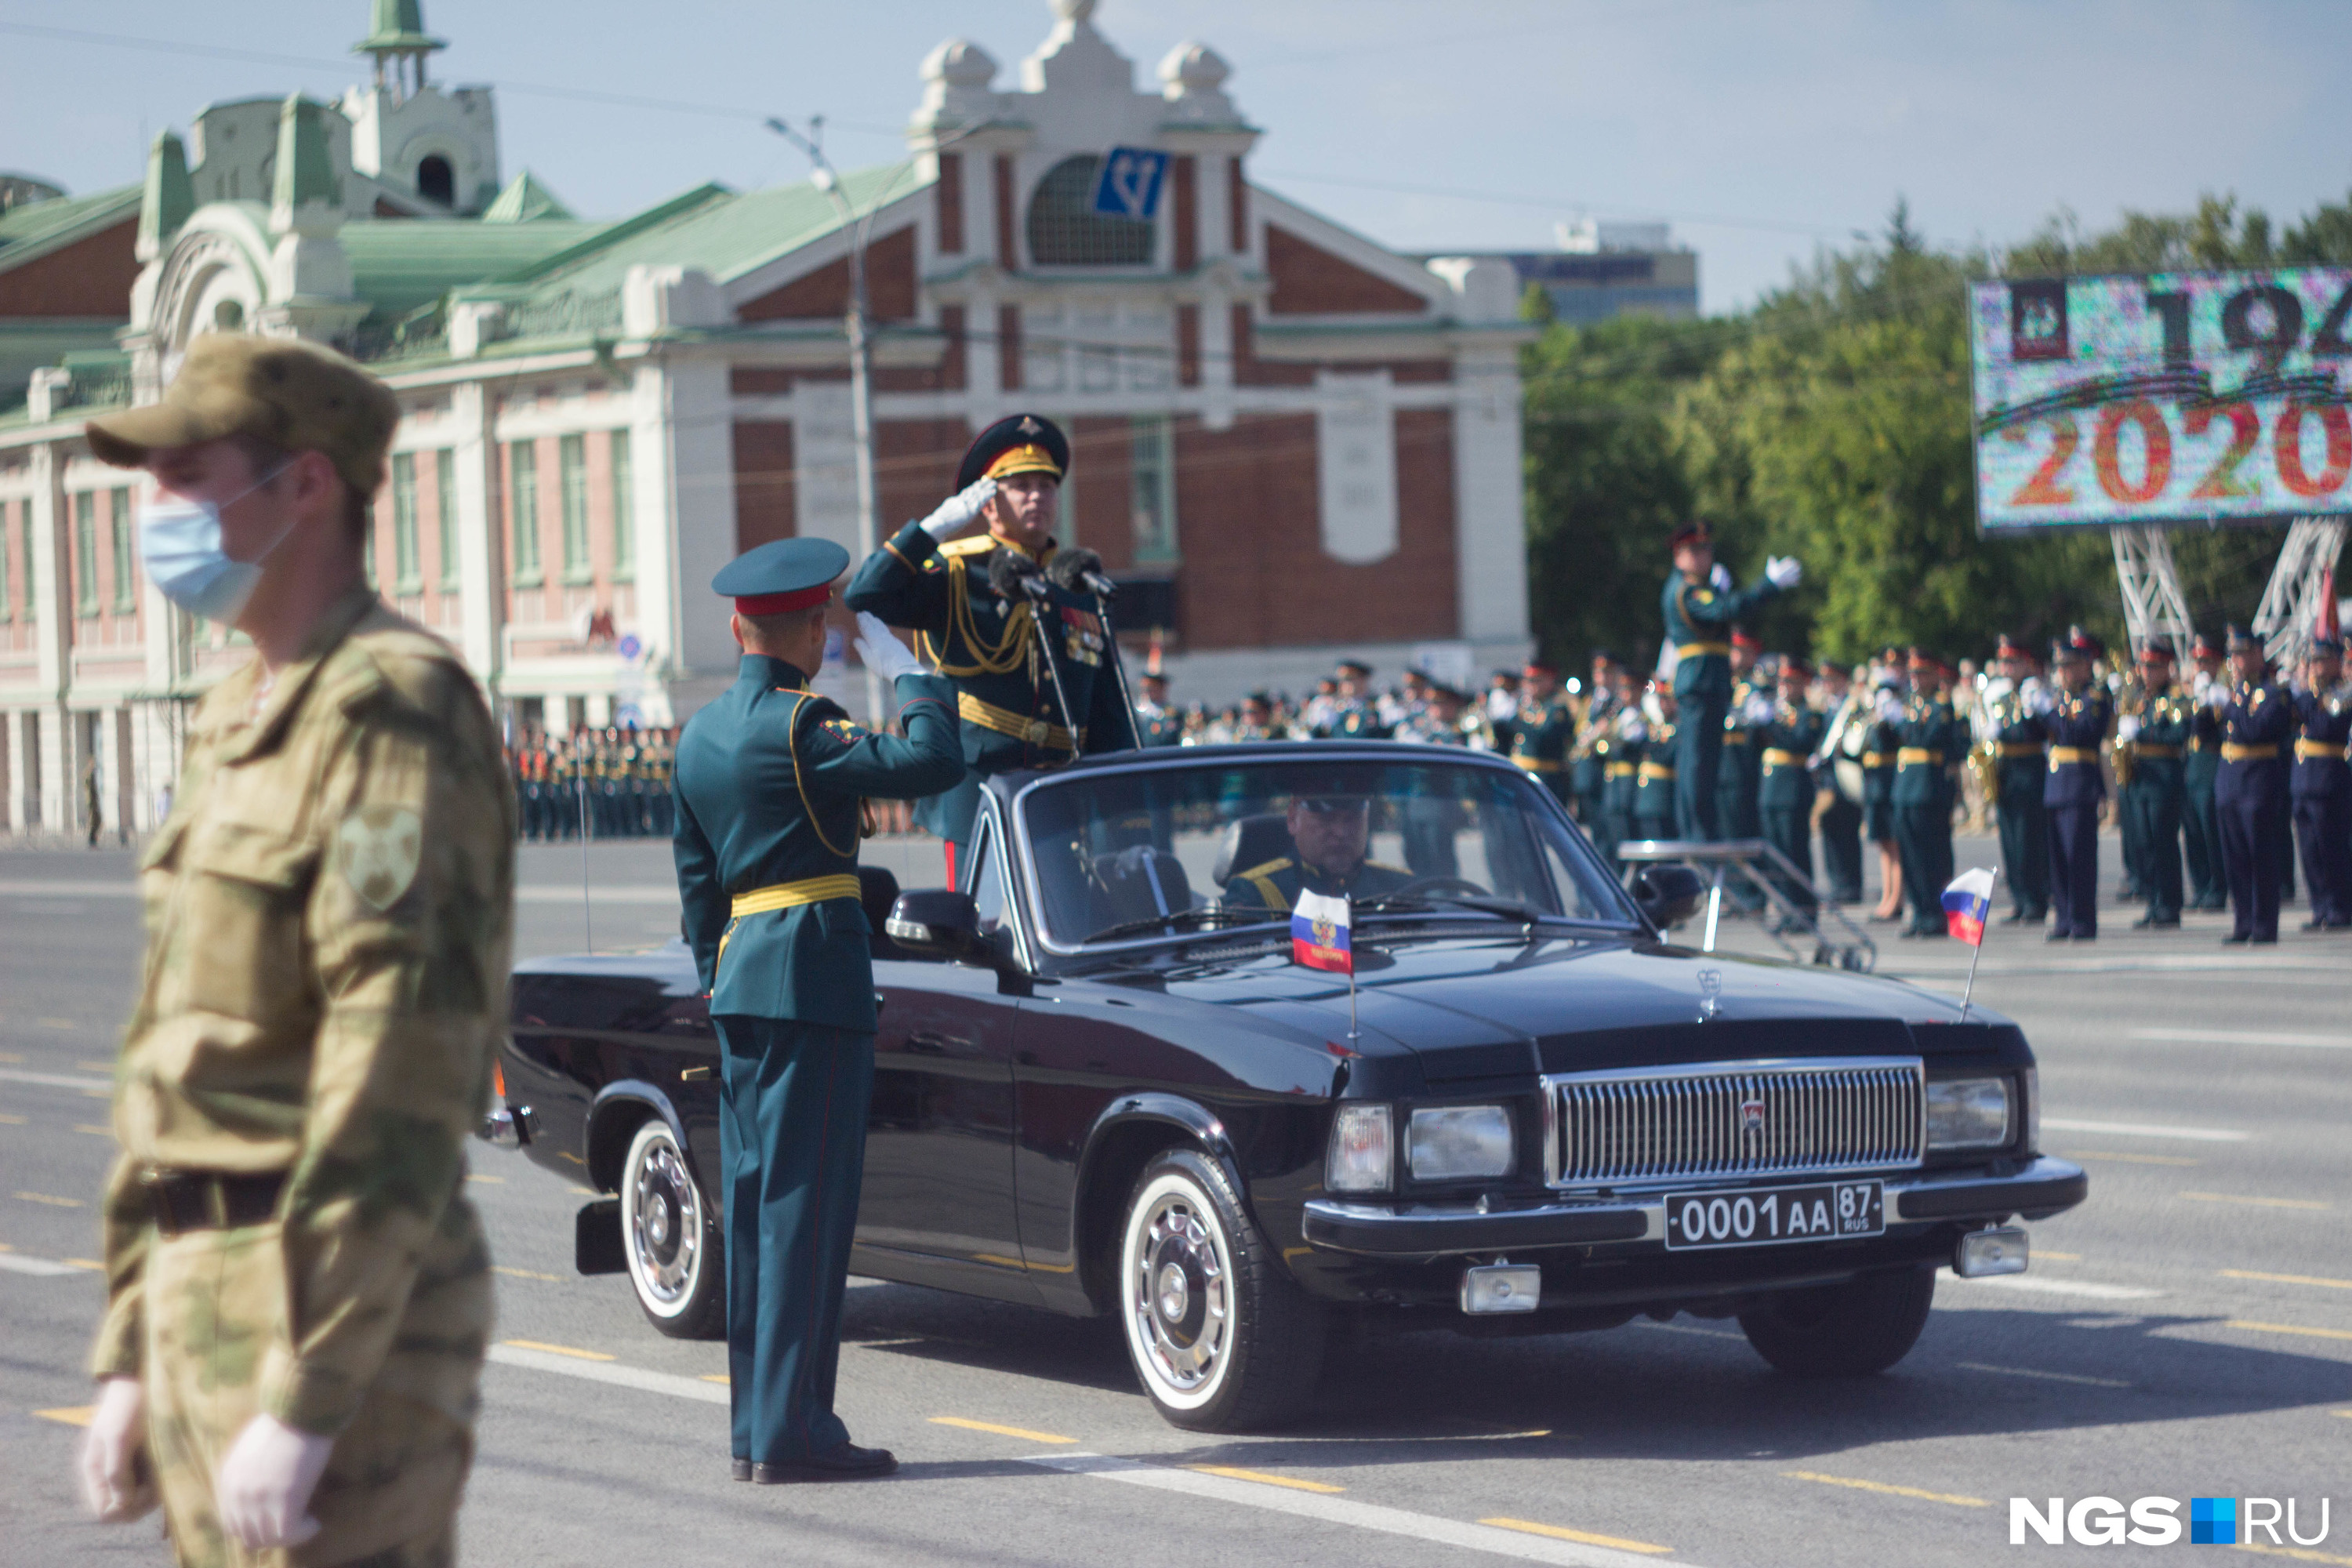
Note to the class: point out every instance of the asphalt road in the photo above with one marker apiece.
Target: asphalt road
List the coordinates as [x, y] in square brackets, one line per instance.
[2187, 1332]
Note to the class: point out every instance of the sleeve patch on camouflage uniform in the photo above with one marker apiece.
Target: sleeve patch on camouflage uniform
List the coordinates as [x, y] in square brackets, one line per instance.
[842, 730]
[381, 847]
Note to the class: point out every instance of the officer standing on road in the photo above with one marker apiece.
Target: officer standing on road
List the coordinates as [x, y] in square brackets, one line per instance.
[2012, 728]
[2157, 735]
[1588, 756]
[770, 789]
[1161, 725]
[1742, 769]
[1701, 606]
[2250, 790]
[1839, 780]
[1010, 688]
[1653, 794]
[2200, 829]
[298, 1290]
[1788, 739]
[1630, 741]
[2079, 719]
[1543, 729]
[2323, 785]
[1930, 741]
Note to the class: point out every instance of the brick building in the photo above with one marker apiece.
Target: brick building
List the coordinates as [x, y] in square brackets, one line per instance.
[1296, 442]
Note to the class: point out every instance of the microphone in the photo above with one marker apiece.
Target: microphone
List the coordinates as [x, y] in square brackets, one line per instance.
[1080, 571]
[1013, 575]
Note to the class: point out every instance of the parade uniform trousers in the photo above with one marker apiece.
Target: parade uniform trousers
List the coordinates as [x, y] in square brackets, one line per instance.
[792, 1140]
[2250, 799]
[2152, 802]
[1697, 754]
[2322, 792]
[1841, 823]
[2024, 831]
[2200, 829]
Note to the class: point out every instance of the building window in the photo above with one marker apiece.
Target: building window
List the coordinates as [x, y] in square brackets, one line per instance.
[1066, 231]
[408, 574]
[572, 458]
[522, 504]
[445, 488]
[126, 581]
[32, 587]
[625, 509]
[86, 553]
[1151, 465]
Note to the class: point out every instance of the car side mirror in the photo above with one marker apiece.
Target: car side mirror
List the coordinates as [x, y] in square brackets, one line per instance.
[936, 922]
[1669, 894]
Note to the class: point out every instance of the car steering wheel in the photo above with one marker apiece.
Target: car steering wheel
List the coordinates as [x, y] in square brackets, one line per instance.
[1440, 885]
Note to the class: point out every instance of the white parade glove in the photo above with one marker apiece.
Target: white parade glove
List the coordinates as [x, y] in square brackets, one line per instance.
[1760, 710]
[1783, 571]
[263, 1490]
[107, 1463]
[2037, 699]
[956, 512]
[884, 654]
[1720, 578]
[2127, 727]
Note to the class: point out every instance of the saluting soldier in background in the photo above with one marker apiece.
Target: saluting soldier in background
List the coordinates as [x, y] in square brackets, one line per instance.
[1930, 742]
[1543, 730]
[2250, 789]
[2200, 829]
[2010, 728]
[1006, 695]
[298, 1291]
[1700, 607]
[1787, 740]
[2079, 719]
[1742, 769]
[2158, 735]
[2322, 786]
[771, 779]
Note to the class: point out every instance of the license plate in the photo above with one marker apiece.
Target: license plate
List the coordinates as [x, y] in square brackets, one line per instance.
[1826, 1211]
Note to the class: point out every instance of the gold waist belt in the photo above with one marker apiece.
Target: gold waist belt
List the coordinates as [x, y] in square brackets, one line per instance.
[2061, 755]
[2022, 748]
[1909, 755]
[790, 895]
[1734, 737]
[1005, 721]
[1536, 764]
[1618, 771]
[2313, 751]
[2233, 753]
[1874, 758]
[1780, 757]
[1656, 771]
[1699, 649]
[2148, 749]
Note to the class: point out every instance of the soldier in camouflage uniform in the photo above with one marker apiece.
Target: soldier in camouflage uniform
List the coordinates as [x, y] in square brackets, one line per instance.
[298, 1293]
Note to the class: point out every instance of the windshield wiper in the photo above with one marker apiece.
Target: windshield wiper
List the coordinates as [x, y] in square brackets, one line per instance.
[1510, 909]
[1204, 915]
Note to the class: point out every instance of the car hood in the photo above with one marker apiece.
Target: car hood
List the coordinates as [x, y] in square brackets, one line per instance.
[1476, 1009]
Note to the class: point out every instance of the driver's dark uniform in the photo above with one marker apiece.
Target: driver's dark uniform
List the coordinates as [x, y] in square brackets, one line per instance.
[1277, 883]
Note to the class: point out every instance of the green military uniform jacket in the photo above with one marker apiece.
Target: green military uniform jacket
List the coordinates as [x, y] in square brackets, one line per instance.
[1785, 742]
[1654, 788]
[1929, 743]
[2159, 753]
[1357, 721]
[989, 648]
[1742, 769]
[1698, 623]
[330, 913]
[1541, 737]
[1277, 883]
[769, 780]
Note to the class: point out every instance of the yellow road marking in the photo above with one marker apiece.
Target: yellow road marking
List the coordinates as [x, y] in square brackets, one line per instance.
[2287, 1278]
[2121, 1158]
[2298, 1554]
[2345, 1414]
[494, 1181]
[1233, 1473]
[71, 1414]
[524, 1273]
[2257, 1203]
[588, 1192]
[718, 1377]
[93, 1130]
[1530, 1527]
[558, 1350]
[83, 1263]
[1024, 1433]
[2049, 1376]
[11, 1119]
[1955, 1499]
[575, 1159]
[52, 1201]
[2040, 1256]
[2291, 1328]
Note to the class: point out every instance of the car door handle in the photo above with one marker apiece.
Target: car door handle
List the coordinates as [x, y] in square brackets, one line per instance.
[927, 1043]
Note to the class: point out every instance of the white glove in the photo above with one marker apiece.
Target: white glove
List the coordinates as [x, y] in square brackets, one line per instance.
[2217, 696]
[956, 512]
[1720, 578]
[263, 1490]
[884, 654]
[2037, 699]
[1783, 571]
[2127, 727]
[1890, 706]
[107, 1463]
[1758, 710]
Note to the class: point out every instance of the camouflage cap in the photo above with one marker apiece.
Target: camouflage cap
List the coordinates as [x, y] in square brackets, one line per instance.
[294, 395]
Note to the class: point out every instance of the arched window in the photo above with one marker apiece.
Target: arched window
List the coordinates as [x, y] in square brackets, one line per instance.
[1066, 231]
[228, 316]
[435, 182]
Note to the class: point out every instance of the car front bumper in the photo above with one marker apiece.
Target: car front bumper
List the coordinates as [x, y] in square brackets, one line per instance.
[2036, 1188]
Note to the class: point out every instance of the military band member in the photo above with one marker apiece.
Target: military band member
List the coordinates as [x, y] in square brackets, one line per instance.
[1701, 606]
[1929, 745]
[1588, 756]
[1257, 721]
[1010, 686]
[1840, 783]
[1878, 764]
[1543, 730]
[2080, 715]
[2322, 786]
[2010, 728]
[1655, 795]
[1740, 770]
[1629, 743]
[2157, 736]
[1161, 725]
[2250, 789]
[1353, 714]
[2200, 829]
[1787, 740]
[770, 784]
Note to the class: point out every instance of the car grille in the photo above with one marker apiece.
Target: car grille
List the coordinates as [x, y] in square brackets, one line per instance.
[1749, 1119]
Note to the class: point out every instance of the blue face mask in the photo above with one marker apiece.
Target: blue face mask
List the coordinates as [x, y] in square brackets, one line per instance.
[180, 541]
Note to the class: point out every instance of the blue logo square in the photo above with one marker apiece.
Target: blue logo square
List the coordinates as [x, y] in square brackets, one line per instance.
[2213, 1520]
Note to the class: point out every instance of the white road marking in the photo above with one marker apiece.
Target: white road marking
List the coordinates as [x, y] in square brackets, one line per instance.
[535, 893]
[57, 1080]
[17, 1263]
[2146, 1129]
[1340, 1511]
[2045, 1377]
[2037, 1286]
[611, 1372]
[2243, 1037]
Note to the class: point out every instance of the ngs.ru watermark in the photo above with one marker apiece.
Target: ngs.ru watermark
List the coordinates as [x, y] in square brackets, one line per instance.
[2157, 1521]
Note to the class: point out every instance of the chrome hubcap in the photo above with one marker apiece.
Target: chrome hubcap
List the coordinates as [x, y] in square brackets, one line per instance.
[665, 1223]
[1180, 1297]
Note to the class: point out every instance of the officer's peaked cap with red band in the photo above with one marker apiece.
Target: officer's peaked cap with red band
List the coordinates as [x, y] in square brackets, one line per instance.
[782, 576]
[1020, 444]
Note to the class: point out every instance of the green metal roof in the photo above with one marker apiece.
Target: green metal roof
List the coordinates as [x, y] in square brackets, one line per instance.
[27, 343]
[397, 26]
[398, 266]
[525, 200]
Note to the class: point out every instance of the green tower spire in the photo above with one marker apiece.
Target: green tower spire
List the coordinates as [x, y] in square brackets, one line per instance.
[398, 28]
[168, 197]
[306, 173]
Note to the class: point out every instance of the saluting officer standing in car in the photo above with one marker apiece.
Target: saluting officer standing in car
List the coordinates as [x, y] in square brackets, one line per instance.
[770, 783]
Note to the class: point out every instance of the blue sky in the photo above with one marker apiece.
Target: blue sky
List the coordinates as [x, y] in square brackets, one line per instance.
[1761, 128]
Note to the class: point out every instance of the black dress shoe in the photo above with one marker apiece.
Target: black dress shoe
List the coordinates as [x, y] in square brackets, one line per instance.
[2060, 936]
[2314, 925]
[841, 1462]
[2235, 939]
[2014, 918]
[2269, 940]
[739, 1470]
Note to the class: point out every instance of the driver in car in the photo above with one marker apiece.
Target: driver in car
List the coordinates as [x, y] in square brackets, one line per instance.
[1329, 835]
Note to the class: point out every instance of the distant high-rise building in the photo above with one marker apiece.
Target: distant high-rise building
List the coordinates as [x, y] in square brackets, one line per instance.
[1607, 269]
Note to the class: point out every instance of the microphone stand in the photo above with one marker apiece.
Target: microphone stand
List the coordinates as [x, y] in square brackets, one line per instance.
[1119, 667]
[1032, 588]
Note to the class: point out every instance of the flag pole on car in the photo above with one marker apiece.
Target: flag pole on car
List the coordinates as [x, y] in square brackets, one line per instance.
[1965, 903]
[1320, 940]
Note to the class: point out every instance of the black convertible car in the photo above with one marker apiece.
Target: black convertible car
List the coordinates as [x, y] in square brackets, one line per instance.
[1105, 1085]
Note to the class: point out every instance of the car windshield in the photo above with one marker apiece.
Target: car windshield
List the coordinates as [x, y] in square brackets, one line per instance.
[1148, 852]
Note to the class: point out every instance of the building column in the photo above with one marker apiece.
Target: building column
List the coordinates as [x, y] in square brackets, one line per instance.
[658, 589]
[481, 604]
[688, 455]
[1490, 504]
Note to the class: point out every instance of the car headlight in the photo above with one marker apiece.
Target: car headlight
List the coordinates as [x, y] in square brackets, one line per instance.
[1448, 1142]
[1968, 1113]
[1362, 1151]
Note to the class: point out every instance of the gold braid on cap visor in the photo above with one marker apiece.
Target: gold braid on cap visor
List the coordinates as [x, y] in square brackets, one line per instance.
[1029, 459]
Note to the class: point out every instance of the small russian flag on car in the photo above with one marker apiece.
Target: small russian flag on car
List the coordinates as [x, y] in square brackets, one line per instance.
[1319, 933]
[1965, 902]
